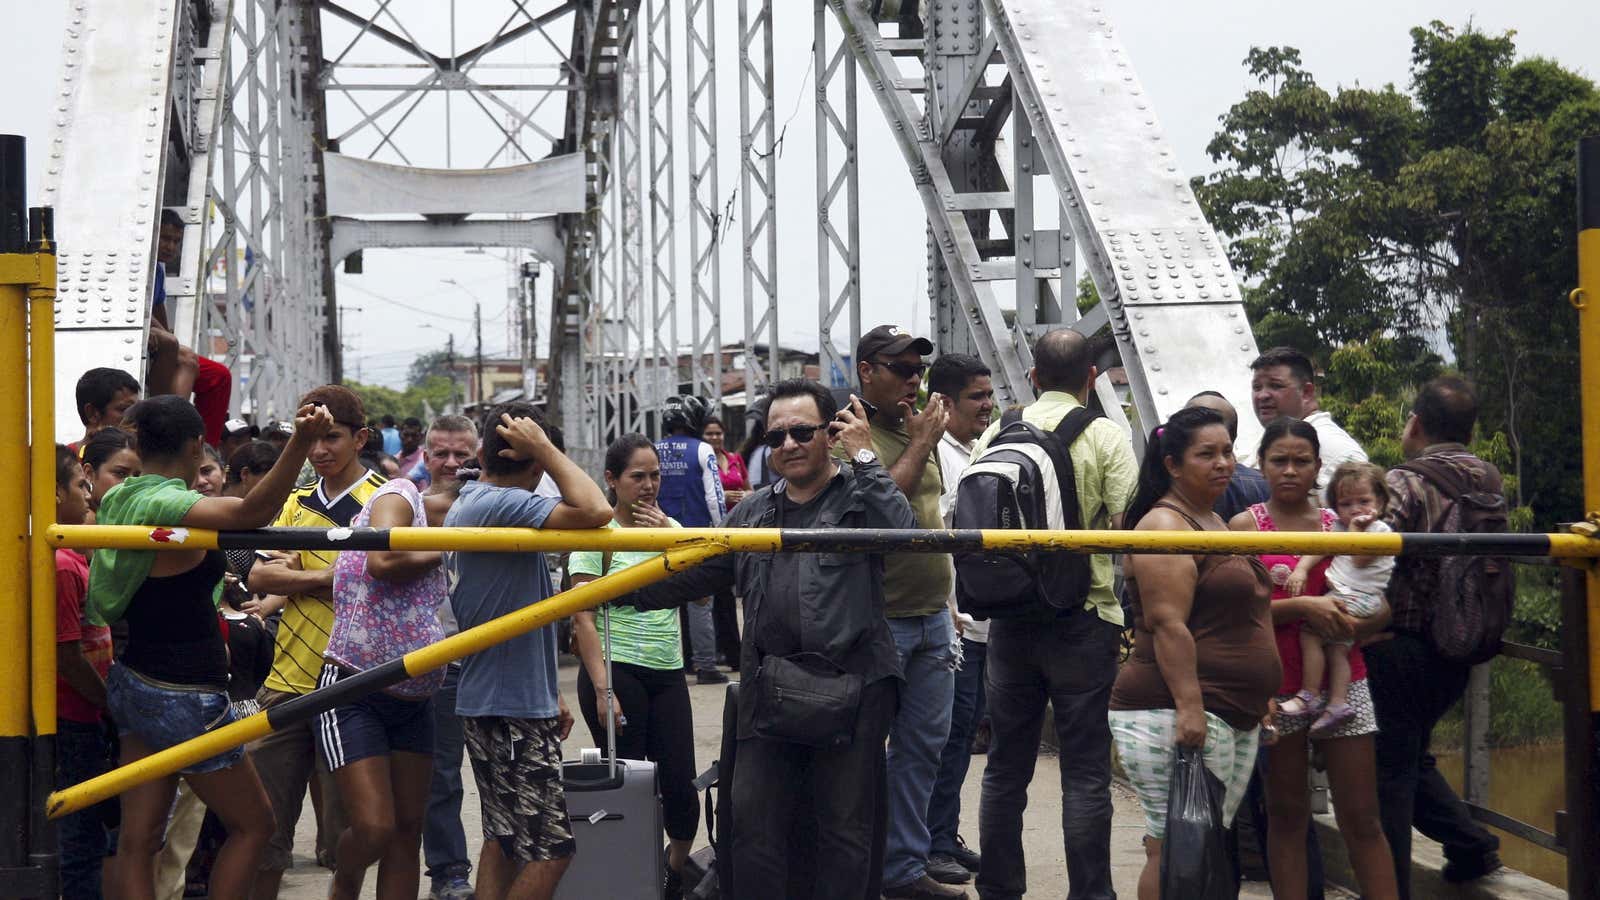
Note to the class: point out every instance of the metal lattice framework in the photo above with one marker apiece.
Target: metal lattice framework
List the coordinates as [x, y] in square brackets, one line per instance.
[291, 134]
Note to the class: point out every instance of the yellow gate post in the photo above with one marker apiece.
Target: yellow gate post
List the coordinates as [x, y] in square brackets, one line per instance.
[1583, 773]
[27, 620]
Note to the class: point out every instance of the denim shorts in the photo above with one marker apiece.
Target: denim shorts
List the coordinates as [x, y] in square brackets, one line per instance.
[163, 715]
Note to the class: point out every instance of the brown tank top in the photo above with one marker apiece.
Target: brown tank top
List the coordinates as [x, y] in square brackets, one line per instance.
[1236, 659]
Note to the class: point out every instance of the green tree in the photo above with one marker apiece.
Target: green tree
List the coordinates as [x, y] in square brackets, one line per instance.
[1381, 223]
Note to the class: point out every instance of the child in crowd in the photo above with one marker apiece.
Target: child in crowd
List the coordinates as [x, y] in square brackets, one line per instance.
[83, 656]
[1356, 582]
[170, 683]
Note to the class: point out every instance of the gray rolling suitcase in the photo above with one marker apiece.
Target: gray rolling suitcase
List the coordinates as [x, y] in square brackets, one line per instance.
[616, 819]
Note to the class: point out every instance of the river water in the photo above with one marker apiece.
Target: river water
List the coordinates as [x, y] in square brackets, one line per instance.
[1525, 783]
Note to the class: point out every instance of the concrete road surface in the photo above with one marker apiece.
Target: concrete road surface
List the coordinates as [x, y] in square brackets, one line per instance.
[1041, 830]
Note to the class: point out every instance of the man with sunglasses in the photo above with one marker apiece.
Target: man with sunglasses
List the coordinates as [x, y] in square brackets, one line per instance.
[916, 589]
[817, 604]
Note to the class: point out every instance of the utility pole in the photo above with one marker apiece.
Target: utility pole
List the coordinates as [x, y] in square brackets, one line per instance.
[344, 343]
[477, 375]
[450, 366]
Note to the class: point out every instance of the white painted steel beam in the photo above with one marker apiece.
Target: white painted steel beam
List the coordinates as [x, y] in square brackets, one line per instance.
[363, 187]
[758, 194]
[1171, 297]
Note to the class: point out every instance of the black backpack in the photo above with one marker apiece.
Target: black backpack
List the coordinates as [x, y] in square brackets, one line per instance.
[1471, 604]
[1023, 479]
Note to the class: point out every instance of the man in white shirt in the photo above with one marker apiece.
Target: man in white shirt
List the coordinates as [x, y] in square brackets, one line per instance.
[965, 380]
[1283, 383]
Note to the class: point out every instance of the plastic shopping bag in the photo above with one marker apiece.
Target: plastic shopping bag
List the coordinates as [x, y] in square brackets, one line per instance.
[1194, 858]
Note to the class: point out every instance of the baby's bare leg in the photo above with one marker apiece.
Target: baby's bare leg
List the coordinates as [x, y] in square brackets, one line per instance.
[1311, 660]
[1338, 673]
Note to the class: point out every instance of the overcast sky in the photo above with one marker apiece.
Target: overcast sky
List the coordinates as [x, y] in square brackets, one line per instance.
[1187, 54]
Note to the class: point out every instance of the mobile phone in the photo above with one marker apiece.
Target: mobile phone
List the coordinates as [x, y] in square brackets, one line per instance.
[865, 406]
[264, 554]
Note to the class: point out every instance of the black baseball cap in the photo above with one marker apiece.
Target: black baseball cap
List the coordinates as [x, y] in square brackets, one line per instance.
[889, 340]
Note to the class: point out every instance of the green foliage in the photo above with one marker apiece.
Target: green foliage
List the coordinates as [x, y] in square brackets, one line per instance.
[1380, 223]
[429, 397]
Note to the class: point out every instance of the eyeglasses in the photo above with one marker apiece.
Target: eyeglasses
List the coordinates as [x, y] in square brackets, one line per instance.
[904, 370]
[802, 434]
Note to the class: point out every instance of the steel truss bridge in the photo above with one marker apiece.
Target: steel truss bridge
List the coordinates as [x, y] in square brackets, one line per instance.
[277, 130]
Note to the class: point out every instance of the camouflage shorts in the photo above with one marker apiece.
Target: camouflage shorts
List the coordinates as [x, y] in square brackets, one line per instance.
[517, 766]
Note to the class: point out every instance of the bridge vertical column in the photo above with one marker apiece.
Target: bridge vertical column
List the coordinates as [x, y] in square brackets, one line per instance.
[758, 191]
[630, 310]
[661, 376]
[838, 193]
[706, 219]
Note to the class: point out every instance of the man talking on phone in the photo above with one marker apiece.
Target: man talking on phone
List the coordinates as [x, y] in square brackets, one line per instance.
[916, 587]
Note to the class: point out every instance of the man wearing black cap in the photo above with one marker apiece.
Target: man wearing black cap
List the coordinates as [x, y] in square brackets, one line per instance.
[889, 364]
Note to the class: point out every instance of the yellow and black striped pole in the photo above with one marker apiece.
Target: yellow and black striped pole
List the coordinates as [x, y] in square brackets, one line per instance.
[1587, 300]
[1581, 738]
[473, 640]
[28, 852]
[822, 540]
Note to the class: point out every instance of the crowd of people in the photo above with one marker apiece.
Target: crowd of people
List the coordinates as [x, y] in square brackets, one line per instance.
[1255, 661]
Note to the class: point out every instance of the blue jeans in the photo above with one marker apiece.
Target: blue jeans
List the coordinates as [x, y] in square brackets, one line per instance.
[1069, 664]
[444, 842]
[944, 808]
[916, 739]
[702, 636]
[83, 750]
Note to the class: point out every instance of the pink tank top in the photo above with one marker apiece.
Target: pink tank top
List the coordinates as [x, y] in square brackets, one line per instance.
[1279, 567]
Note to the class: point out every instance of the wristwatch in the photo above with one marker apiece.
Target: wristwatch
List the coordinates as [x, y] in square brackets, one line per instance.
[865, 456]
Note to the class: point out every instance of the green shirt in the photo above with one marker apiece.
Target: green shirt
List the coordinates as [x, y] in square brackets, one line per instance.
[1106, 473]
[914, 584]
[647, 638]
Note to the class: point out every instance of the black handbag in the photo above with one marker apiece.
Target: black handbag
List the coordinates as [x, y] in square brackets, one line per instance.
[806, 699]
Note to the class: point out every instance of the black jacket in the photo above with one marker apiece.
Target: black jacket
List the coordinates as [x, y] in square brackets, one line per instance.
[840, 594]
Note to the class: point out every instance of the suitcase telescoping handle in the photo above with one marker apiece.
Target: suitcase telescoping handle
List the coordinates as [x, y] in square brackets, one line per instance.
[611, 690]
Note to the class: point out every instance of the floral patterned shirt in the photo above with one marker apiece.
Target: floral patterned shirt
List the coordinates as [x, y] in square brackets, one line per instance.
[375, 621]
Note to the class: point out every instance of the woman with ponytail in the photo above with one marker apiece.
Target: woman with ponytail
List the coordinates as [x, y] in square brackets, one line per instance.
[1204, 667]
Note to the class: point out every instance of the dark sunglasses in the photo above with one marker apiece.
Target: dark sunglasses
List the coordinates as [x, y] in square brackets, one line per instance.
[904, 370]
[802, 434]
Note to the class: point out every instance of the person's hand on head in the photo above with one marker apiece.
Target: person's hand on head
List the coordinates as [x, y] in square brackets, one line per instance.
[850, 428]
[312, 423]
[927, 426]
[526, 438]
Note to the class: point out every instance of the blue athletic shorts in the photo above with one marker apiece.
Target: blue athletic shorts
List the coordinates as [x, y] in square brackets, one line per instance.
[375, 725]
[161, 714]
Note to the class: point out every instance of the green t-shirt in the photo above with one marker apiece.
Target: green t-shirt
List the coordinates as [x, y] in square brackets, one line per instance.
[647, 638]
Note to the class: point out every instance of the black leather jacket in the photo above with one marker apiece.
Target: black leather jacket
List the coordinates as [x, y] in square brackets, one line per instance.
[841, 594]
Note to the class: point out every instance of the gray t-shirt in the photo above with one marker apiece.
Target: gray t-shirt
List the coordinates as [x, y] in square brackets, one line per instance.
[515, 679]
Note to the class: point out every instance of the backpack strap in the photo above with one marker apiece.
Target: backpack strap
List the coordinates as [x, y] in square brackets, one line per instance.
[1010, 417]
[1447, 479]
[1074, 424]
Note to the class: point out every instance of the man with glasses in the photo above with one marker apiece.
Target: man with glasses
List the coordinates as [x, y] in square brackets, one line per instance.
[816, 604]
[916, 587]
